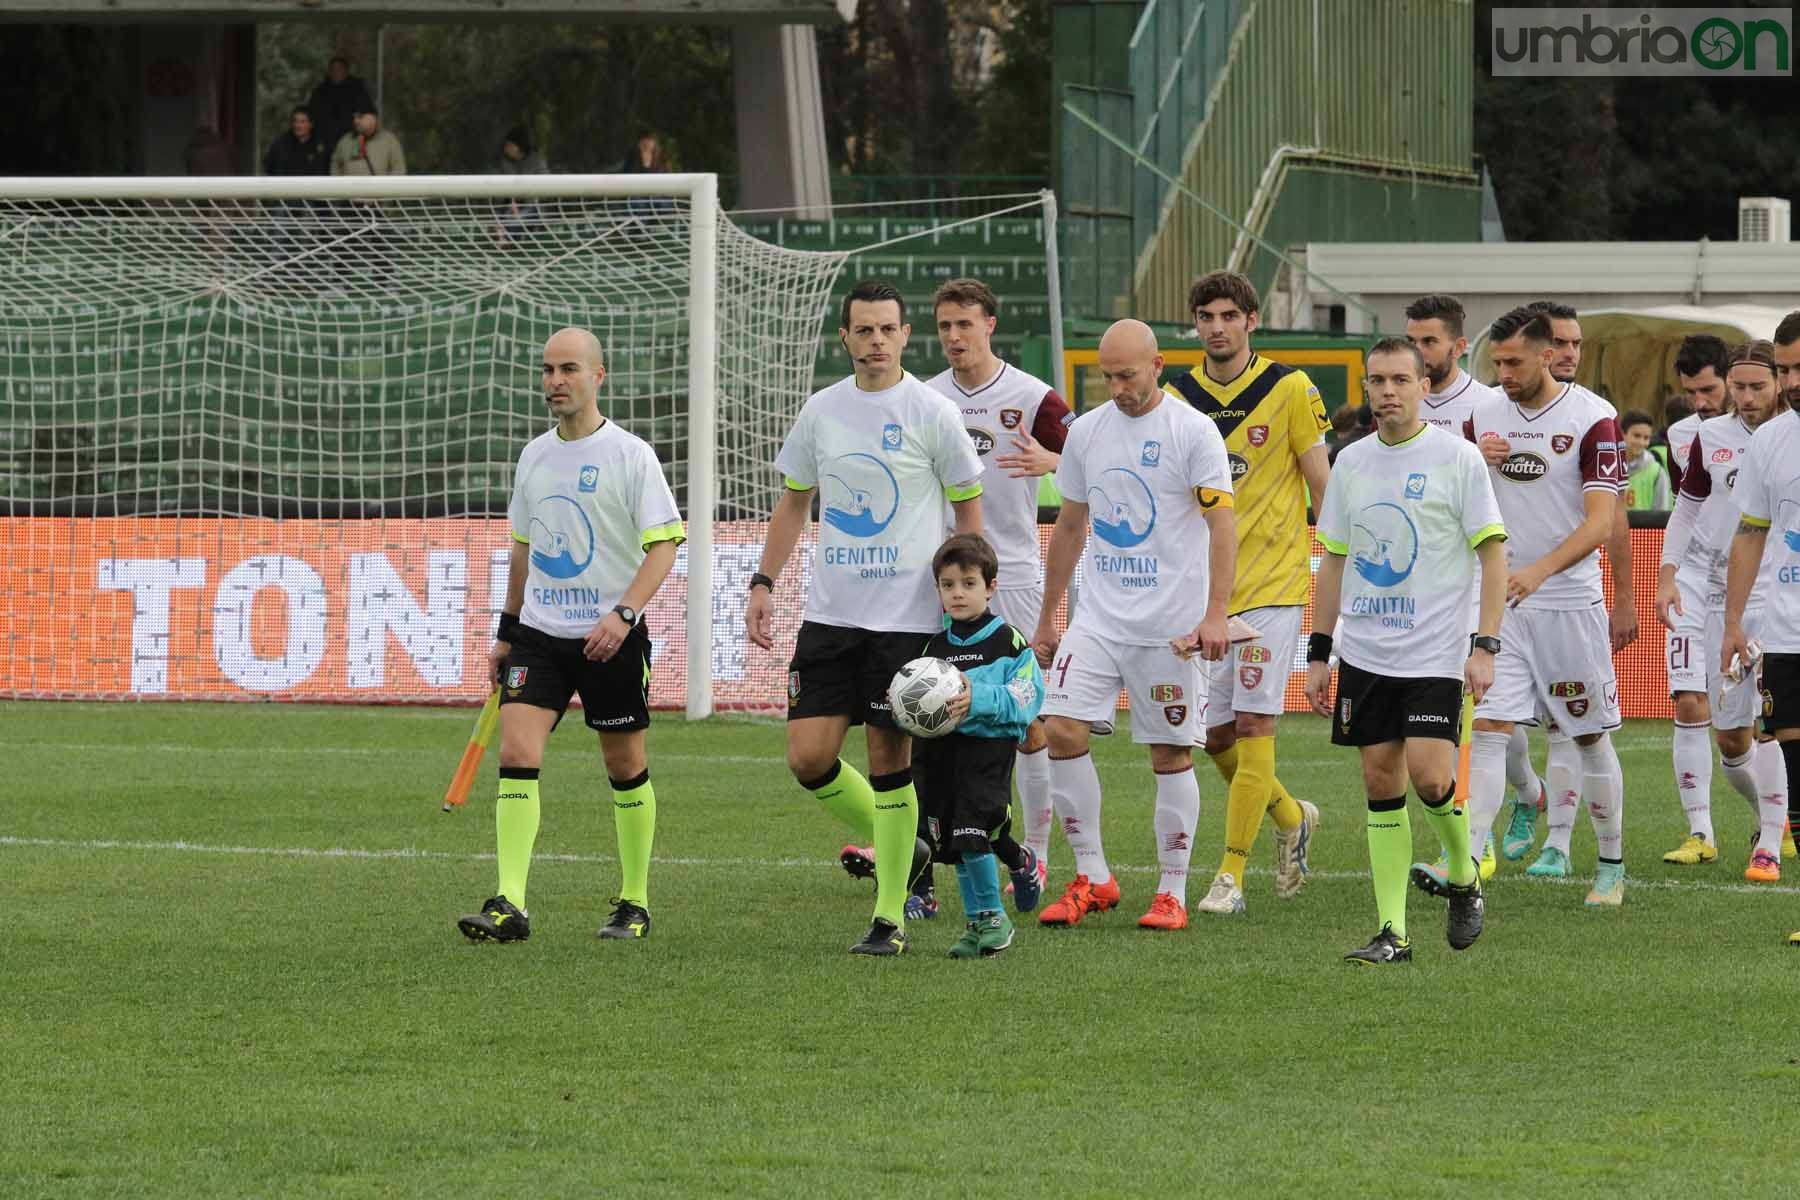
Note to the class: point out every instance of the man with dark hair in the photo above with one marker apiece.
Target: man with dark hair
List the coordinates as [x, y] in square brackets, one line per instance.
[336, 101]
[1646, 484]
[1553, 449]
[1413, 508]
[1767, 494]
[1565, 338]
[1700, 366]
[1273, 422]
[893, 468]
[299, 150]
[1690, 602]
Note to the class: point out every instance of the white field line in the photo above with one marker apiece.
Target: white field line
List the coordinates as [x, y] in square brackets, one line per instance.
[352, 853]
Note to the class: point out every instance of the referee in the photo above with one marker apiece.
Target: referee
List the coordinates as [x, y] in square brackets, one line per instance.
[1412, 510]
[594, 531]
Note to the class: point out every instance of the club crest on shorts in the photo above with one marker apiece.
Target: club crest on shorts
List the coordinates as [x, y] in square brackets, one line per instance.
[515, 678]
[1165, 693]
[890, 437]
[1560, 442]
[1577, 708]
[1011, 417]
[1175, 713]
[1415, 487]
[1257, 435]
[1255, 652]
[793, 686]
[1250, 677]
[1152, 454]
[590, 479]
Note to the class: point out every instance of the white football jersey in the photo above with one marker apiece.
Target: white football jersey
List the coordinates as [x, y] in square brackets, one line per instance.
[1450, 409]
[1681, 436]
[1407, 519]
[1768, 493]
[1146, 570]
[1717, 452]
[1559, 453]
[887, 466]
[1009, 404]
[588, 508]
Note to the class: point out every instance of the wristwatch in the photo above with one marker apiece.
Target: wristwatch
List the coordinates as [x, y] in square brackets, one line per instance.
[626, 613]
[1482, 641]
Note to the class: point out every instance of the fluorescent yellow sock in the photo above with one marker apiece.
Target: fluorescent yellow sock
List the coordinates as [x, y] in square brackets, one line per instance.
[634, 819]
[515, 829]
[847, 796]
[1246, 801]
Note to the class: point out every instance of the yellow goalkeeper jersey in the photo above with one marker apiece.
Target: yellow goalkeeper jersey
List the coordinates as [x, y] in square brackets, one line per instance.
[1269, 416]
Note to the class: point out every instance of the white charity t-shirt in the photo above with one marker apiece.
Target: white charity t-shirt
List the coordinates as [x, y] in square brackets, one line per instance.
[1146, 568]
[1407, 519]
[887, 465]
[1768, 493]
[588, 508]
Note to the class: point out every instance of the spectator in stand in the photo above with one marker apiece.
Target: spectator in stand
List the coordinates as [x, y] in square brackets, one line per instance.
[647, 156]
[1646, 483]
[337, 100]
[517, 157]
[1348, 424]
[368, 149]
[1675, 408]
[299, 151]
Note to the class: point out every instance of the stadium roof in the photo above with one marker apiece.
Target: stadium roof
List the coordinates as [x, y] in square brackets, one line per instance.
[1694, 269]
[785, 12]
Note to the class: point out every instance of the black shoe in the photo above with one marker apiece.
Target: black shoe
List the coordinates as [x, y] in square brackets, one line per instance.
[628, 920]
[1466, 908]
[498, 921]
[1384, 947]
[883, 938]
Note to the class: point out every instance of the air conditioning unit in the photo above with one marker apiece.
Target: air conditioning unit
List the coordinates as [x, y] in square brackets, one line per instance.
[1763, 219]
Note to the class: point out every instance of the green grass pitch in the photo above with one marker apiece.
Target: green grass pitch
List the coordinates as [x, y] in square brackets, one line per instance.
[232, 970]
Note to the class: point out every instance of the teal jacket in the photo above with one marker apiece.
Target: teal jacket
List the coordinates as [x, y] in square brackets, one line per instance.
[1006, 689]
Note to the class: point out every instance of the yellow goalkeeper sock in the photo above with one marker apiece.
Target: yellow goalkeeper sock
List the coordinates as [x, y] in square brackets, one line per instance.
[1282, 805]
[1226, 761]
[1246, 801]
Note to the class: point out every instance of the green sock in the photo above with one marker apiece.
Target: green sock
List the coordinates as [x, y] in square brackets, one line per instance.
[896, 808]
[1451, 823]
[634, 817]
[1390, 856]
[847, 796]
[515, 829]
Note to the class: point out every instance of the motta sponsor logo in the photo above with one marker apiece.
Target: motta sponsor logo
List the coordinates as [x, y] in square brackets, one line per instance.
[1240, 466]
[1592, 42]
[1524, 467]
[983, 440]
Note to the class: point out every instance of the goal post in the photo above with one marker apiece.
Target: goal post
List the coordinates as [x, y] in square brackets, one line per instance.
[280, 416]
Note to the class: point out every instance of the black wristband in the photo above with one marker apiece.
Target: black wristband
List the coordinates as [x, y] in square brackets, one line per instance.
[1318, 647]
[508, 623]
[764, 580]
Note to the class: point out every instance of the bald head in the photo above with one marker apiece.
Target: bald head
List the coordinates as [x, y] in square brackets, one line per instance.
[574, 344]
[573, 372]
[1132, 367]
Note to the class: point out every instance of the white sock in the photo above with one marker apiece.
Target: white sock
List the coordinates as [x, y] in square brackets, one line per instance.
[1693, 777]
[1771, 796]
[1741, 774]
[1075, 790]
[1604, 784]
[1562, 776]
[1487, 785]
[1032, 771]
[1519, 774]
[1177, 813]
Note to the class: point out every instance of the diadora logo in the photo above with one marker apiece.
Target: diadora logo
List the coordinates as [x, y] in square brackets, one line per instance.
[562, 538]
[1525, 467]
[1152, 454]
[1257, 435]
[1384, 544]
[983, 441]
[1121, 507]
[890, 437]
[590, 479]
[1011, 418]
[862, 494]
[1560, 442]
[1415, 487]
[1165, 693]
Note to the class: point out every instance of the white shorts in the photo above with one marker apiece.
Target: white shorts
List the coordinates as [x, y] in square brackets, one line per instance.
[1020, 607]
[1692, 668]
[1253, 676]
[1559, 660]
[1083, 682]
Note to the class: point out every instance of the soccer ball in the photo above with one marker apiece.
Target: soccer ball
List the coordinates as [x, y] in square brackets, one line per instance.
[920, 696]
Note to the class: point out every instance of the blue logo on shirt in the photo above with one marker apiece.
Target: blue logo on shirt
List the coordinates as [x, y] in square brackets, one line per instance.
[1384, 546]
[590, 479]
[1789, 512]
[859, 495]
[1122, 508]
[1415, 487]
[1152, 454]
[560, 532]
[890, 437]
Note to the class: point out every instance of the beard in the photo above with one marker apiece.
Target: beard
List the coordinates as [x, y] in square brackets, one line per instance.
[1436, 375]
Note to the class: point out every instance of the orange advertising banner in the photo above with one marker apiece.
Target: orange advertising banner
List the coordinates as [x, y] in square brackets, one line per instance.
[398, 611]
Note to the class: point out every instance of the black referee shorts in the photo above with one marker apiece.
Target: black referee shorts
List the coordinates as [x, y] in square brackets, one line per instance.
[837, 671]
[546, 672]
[1781, 692]
[1372, 709]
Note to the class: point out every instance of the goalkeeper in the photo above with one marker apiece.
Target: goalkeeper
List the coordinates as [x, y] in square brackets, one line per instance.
[964, 779]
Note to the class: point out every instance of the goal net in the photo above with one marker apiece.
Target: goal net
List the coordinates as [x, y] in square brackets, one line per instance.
[257, 437]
